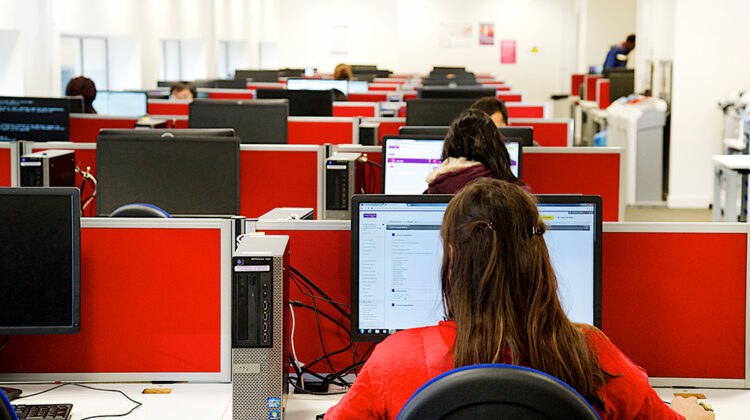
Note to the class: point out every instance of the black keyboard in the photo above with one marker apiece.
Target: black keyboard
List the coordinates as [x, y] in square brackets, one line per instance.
[43, 411]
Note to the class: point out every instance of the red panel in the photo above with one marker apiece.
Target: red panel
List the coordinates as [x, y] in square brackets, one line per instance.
[503, 88]
[354, 111]
[374, 175]
[389, 88]
[230, 95]
[389, 128]
[262, 86]
[368, 97]
[85, 130]
[329, 268]
[5, 165]
[675, 302]
[548, 133]
[164, 108]
[181, 123]
[575, 83]
[576, 173]
[161, 314]
[603, 94]
[410, 96]
[319, 132]
[390, 81]
[526, 111]
[510, 98]
[271, 179]
[591, 87]
[84, 158]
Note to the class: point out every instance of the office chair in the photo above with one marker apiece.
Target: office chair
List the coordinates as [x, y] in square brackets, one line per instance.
[139, 210]
[6, 410]
[495, 391]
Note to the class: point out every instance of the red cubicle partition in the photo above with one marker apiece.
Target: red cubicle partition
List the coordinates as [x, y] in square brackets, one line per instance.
[384, 86]
[155, 304]
[181, 122]
[263, 85]
[602, 93]
[168, 107]
[368, 97]
[578, 170]
[575, 83]
[372, 177]
[85, 127]
[355, 109]
[550, 132]
[526, 110]
[590, 80]
[85, 157]
[674, 299]
[388, 126]
[321, 130]
[7, 166]
[510, 96]
[280, 176]
[230, 94]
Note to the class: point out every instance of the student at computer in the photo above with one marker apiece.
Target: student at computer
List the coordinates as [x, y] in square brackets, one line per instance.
[342, 72]
[183, 91]
[473, 148]
[85, 87]
[495, 108]
[501, 306]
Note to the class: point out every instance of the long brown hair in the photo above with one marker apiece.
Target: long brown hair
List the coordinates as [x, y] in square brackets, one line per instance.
[499, 287]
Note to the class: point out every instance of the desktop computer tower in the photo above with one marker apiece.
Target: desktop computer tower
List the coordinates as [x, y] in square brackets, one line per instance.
[260, 280]
[368, 133]
[50, 168]
[342, 179]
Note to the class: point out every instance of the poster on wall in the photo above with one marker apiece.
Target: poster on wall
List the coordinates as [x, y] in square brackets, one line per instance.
[508, 52]
[486, 34]
[456, 34]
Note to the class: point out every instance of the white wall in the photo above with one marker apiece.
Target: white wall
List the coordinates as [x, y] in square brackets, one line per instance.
[11, 57]
[709, 63]
[606, 23]
[655, 28]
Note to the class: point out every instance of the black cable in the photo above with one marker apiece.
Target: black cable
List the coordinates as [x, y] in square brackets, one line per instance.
[5, 342]
[299, 304]
[343, 372]
[321, 358]
[315, 393]
[375, 164]
[138, 404]
[320, 292]
[326, 298]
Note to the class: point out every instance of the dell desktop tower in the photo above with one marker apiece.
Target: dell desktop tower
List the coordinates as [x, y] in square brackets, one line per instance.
[342, 179]
[49, 168]
[260, 280]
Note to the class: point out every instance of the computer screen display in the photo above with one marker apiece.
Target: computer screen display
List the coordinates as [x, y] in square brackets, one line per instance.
[255, 121]
[185, 176]
[318, 84]
[435, 111]
[39, 260]
[34, 119]
[358, 86]
[407, 160]
[124, 104]
[397, 257]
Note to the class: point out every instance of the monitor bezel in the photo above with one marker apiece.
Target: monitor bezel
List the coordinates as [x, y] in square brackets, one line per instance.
[74, 196]
[384, 146]
[356, 336]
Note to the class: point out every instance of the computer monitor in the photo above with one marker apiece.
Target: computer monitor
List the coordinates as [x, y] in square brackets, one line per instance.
[169, 132]
[34, 119]
[315, 103]
[230, 84]
[465, 82]
[621, 82]
[258, 76]
[407, 160]
[397, 255]
[188, 177]
[521, 135]
[435, 111]
[40, 260]
[318, 84]
[76, 104]
[255, 121]
[443, 92]
[358, 86]
[124, 104]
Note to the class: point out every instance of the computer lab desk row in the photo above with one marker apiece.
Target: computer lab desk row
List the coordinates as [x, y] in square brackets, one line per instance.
[214, 401]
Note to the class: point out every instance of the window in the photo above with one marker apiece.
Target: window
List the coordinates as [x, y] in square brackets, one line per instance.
[183, 59]
[84, 56]
[232, 56]
[171, 60]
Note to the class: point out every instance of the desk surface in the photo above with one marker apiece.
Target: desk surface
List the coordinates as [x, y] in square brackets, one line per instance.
[213, 401]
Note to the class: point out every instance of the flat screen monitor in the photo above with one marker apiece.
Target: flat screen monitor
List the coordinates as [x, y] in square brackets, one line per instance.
[189, 177]
[34, 119]
[521, 135]
[169, 132]
[40, 260]
[407, 160]
[318, 84]
[302, 103]
[358, 86]
[258, 76]
[443, 92]
[124, 104]
[435, 111]
[468, 82]
[76, 104]
[255, 121]
[230, 84]
[397, 251]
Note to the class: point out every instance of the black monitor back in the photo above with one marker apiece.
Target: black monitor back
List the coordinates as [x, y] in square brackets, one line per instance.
[450, 82]
[76, 104]
[621, 82]
[448, 69]
[185, 177]
[34, 119]
[524, 136]
[230, 83]
[169, 132]
[443, 92]
[258, 76]
[291, 72]
[254, 121]
[435, 111]
[302, 103]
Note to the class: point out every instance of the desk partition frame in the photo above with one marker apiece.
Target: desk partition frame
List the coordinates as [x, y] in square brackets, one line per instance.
[353, 120]
[16, 149]
[568, 121]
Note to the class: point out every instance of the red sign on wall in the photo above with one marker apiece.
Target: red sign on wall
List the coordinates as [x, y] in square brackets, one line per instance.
[508, 52]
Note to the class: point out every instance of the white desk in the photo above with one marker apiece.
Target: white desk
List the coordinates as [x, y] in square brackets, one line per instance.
[214, 401]
[730, 167]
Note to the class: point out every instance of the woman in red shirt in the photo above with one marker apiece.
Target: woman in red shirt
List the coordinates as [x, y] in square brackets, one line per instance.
[501, 304]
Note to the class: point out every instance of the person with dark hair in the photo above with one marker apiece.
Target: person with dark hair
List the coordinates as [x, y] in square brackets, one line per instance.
[495, 108]
[618, 54]
[85, 87]
[183, 91]
[474, 148]
[501, 305]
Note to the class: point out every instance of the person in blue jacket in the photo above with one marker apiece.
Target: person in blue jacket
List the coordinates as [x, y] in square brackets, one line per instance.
[618, 54]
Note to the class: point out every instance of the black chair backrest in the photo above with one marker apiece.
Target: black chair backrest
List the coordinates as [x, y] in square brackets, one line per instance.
[495, 391]
[6, 411]
[139, 210]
